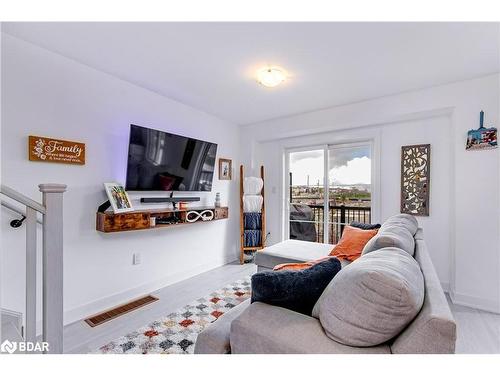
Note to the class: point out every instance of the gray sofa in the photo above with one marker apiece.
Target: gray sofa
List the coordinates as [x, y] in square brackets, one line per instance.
[262, 328]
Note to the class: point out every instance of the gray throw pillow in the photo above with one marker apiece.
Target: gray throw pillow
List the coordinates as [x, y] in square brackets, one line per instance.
[373, 299]
[391, 237]
[402, 220]
[397, 231]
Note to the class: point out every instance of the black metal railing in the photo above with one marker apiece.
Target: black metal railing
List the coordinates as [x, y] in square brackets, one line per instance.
[310, 227]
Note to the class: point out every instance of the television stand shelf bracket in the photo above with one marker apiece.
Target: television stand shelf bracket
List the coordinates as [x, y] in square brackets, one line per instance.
[103, 207]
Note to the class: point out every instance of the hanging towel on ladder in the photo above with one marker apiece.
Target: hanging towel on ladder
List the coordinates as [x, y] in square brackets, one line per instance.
[252, 185]
[252, 203]
[252, 220]
[252, 237]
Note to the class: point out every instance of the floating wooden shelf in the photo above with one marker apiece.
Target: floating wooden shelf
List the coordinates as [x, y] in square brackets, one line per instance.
[138, 220]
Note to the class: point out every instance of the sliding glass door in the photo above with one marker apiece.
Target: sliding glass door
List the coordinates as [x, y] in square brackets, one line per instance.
[329, 187]
[349, 181]
[307, 195]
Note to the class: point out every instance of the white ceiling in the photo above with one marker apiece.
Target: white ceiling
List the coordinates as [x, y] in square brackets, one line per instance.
[211, 66]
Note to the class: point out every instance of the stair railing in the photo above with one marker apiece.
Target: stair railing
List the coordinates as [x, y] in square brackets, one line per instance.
[51, 209]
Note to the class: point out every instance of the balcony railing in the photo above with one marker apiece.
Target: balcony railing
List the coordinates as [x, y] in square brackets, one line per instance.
[306, 220]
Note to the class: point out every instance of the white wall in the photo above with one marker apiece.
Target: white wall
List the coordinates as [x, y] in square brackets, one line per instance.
[463, 228]
[49, 95]
[436, 226]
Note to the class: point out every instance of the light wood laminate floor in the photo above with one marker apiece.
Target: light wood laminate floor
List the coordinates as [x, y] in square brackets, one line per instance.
[477, 331]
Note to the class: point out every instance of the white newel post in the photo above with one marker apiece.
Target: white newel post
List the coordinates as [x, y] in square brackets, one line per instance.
[53, 266]
[31, 279]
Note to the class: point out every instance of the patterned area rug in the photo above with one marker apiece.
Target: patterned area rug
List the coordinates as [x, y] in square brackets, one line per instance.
[177, 332]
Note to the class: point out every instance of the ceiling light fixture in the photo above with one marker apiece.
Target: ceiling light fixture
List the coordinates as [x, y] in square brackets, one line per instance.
[271, 76]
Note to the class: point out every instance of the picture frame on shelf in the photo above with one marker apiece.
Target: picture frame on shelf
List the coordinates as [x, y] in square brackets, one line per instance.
[118, 197]
[225, 169]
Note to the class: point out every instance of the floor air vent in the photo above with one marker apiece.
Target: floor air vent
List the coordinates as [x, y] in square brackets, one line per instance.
[119, 310]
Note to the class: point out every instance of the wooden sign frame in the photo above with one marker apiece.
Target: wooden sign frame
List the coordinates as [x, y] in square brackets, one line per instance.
[415, 179]
[52, 150]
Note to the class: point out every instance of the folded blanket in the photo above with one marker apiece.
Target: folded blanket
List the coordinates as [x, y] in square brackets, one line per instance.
[252, 238]
[252, 203]
[252, 185]
[252, 220]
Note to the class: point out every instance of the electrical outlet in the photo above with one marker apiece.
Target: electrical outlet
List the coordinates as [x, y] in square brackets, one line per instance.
[136, 259]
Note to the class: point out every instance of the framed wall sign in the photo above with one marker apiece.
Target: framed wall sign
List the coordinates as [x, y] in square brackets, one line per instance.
[415, 179]
[55, 150]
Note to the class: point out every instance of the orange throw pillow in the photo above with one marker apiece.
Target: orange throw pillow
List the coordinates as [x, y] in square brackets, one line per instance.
[352, 243]
[298, 266]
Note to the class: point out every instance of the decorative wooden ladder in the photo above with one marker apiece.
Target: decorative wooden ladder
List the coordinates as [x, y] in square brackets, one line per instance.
[51, 210]
[263, 236]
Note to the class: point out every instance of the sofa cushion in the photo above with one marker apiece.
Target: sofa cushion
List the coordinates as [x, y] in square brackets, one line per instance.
[291, 251]
[402, 220]
[400, 238]
[214, 338]
[266, 329]
[352, 243]
[397, 231]
[294, 290]
[373, 299]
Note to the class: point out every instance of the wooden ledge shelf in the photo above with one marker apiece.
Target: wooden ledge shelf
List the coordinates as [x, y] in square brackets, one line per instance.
[109, 222]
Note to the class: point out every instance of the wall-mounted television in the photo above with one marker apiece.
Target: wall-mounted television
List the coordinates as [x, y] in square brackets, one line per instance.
[161, 161]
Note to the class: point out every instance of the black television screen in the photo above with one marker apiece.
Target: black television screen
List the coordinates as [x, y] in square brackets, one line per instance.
[163, 161]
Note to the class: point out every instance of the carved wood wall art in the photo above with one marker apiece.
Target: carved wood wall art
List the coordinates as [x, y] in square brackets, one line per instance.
[415, 179]
[55, 150]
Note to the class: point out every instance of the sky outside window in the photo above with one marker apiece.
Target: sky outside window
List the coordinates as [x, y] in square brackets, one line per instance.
[348, 166]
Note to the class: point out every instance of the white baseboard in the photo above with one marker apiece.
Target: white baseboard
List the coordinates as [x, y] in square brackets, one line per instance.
[89, 309]
[474, 302]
